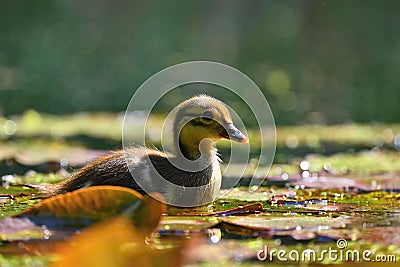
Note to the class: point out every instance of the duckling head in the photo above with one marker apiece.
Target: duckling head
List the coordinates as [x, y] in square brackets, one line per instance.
[201, 121]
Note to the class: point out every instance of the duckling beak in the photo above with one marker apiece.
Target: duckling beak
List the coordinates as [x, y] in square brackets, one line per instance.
[234, 134]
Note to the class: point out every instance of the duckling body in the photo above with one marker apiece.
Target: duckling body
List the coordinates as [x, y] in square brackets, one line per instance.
[198, 123]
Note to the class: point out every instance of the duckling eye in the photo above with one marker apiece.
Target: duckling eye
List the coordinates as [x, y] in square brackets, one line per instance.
[207, 116]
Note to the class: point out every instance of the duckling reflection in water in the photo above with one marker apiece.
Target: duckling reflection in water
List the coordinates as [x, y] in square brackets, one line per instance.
[197, 124]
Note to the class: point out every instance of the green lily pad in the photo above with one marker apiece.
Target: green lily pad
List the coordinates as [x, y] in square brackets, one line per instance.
[187, 223]
[285, 223]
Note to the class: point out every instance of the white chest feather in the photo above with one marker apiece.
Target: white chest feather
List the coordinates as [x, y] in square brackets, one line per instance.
[216, 179]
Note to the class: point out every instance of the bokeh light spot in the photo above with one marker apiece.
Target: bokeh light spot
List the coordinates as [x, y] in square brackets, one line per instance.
[277, 82]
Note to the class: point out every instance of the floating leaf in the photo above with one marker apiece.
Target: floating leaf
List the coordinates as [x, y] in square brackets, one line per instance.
[189, 223]
[300, 228]
[83, 207]
[148, 215]
[19, 229]
[116, 242]
[285, 223]
[142, 219]
[246, 209]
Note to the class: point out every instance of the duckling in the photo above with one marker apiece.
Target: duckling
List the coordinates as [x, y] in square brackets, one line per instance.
[197, 124]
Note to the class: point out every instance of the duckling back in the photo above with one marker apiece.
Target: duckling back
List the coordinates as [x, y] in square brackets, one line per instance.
[143, 165]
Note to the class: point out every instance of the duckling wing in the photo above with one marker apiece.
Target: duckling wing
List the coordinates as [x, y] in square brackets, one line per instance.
[139, 168]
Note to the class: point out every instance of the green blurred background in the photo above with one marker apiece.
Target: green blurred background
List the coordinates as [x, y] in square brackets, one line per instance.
[315, 61]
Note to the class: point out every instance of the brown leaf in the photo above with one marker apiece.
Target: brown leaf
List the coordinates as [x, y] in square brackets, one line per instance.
[117, 242]
[85, 206]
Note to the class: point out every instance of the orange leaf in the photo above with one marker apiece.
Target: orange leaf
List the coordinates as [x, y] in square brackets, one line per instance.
[83, 207]
[117, 242]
